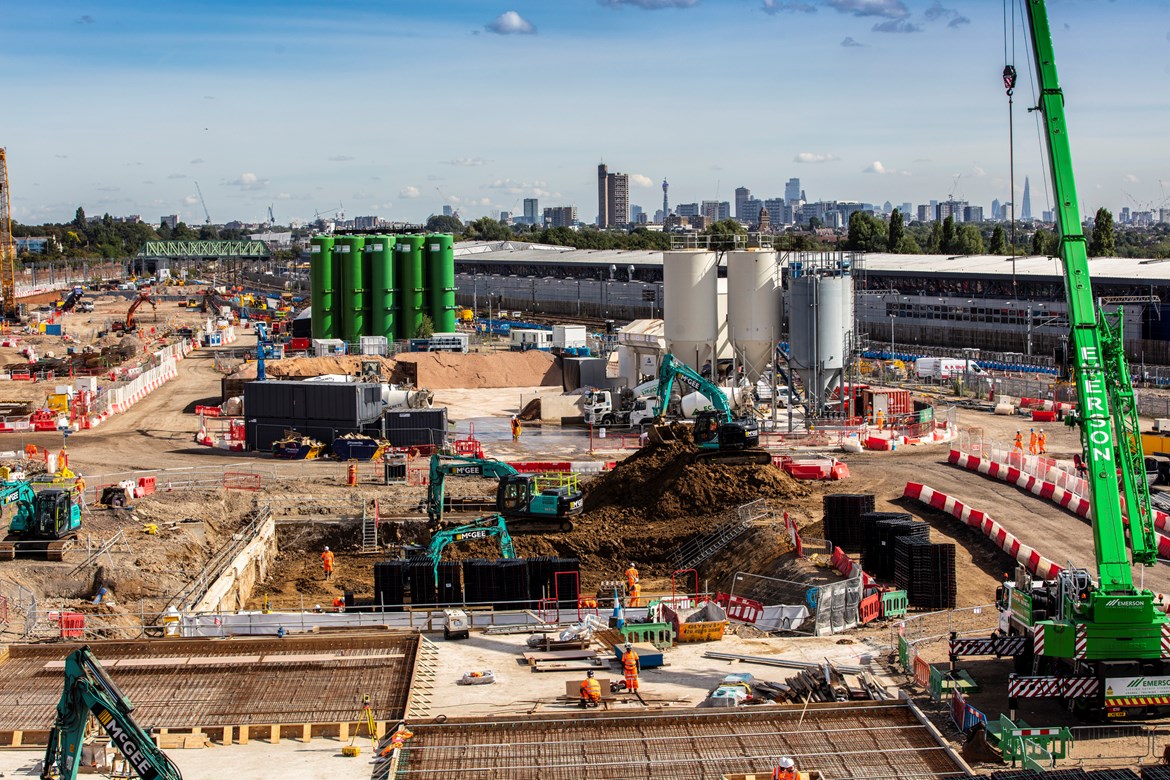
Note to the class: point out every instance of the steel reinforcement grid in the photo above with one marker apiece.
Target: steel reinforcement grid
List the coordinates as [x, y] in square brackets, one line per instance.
[193, 683]
[874, 741]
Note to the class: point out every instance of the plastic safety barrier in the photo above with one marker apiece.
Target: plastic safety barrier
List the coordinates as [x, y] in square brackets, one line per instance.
[894, 603]
[870, 608]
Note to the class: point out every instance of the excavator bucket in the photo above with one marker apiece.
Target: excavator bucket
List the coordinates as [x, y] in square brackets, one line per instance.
[660, 434]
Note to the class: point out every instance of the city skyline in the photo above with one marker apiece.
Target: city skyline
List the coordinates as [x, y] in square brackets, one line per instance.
[123, 107]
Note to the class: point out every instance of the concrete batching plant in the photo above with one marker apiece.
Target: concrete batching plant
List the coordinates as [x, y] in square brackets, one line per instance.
[820, 326]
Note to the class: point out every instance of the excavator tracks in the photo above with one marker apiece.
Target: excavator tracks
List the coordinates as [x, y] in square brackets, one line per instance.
[44, 549]
[752, 457]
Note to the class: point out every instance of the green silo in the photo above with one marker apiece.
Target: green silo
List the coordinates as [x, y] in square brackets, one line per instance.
[408, 271]
[353, 295]
[321, 286]
[380, 256]
[440, 255]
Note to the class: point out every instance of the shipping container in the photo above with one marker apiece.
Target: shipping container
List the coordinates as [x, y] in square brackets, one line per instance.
[888, 400]
[353, 403]
[569, 336]
[416, 427]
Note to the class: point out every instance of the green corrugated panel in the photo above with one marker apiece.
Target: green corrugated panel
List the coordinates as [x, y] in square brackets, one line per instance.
[380, 255]
[408, 271]
[440, 255]
[321, 285]
[353, 322]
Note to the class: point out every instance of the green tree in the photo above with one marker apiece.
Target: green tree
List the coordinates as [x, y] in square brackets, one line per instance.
[908, 245]
[949, 243]
[935, 245]
[487, 229]
[998, 241]
[896, 232]
[867, 233]
[1103, 243]
[208, 233]
[1040, 242]
[79, 218]
[441, 223]
[426, 327]
[183, 233]
[725, 227]
[969, 240]
[815, 223]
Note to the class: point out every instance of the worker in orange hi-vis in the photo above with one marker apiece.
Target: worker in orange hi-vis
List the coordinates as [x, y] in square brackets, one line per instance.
[631, 576]
[1018, 446]
[590, 691]
[1042, 442]
[785, 770]
[327, 563]
[515, 428]
[630, 666]
[1032, 442]
[636, 594]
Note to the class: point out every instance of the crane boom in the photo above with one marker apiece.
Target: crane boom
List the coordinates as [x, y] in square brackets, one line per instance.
[7, 246]
[203, 203]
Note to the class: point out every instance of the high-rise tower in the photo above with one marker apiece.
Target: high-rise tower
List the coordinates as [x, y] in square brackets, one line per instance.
[1026, 207]
[665, 200]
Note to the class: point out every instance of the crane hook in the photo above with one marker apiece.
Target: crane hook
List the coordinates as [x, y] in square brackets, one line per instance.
[1009, 79]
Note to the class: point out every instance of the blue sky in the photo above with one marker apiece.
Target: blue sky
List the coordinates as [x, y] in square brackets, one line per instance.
[393, 108]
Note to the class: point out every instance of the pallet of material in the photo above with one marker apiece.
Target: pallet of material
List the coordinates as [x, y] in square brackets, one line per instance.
[558, 655]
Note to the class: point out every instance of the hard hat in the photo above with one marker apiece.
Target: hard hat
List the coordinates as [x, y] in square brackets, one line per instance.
[326, 549]
[787, 763]
[589, 673]
[629, 646]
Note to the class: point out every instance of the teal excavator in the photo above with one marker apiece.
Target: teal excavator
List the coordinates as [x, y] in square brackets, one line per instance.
[720, 435]
[529, 506]
[1100, 643]
[44, 521]
[89, 690]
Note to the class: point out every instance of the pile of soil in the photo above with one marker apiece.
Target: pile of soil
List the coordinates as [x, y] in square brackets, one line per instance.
[432, 370]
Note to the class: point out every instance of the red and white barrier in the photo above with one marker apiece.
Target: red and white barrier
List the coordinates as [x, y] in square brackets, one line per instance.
[1026, 556]
[1067, 499]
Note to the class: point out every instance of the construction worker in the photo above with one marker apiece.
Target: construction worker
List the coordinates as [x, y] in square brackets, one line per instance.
[785, 769]
[590, 691]
[515, 428]
[327, 563]
[339, 604]
[630, 667]
[1018, 446]
[631, 577]
[880, 418]
[1042, 442]
[636, 594]
[1032, 441]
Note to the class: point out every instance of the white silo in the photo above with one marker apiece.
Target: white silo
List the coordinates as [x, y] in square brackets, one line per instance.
[689, 291]
[754, 307]
[820, 320]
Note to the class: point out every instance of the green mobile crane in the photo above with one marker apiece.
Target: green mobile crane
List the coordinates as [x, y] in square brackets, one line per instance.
[720, 435]
[44, 521]
[518, 496]
[90, 691]
[1103, 643]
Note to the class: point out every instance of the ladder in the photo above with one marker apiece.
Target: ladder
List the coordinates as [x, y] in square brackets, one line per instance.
[698, 549]
[370, 528]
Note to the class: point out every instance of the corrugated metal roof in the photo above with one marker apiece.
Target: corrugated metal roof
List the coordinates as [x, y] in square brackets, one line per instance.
[1120, 268]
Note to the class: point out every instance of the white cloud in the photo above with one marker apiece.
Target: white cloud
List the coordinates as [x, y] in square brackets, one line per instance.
[1129, 177]
[650, 5]
[248, 181]
[467, 162]
[849, 43]
[815, 157]
[978, 172]
[639, 180]
[409, 192]
[877, 167]
[889, 9]
[190, 200]
[774, 7]
[896, 26]
[511, 23]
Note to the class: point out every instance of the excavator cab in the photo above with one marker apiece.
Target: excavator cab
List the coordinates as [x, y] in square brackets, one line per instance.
[514, 494]
[56, 516]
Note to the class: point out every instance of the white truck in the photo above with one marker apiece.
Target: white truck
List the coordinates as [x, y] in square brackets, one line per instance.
[622, 407]
[944, 368]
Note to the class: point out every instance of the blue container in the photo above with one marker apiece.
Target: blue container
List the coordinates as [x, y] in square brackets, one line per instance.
[53, 330]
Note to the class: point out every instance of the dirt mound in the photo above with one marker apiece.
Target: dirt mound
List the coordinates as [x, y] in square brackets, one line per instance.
[449, 370]
[651, 503]
[660, 482]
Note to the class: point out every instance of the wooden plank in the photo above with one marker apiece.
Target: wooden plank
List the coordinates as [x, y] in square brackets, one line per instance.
[243, 735]
[559, 655]
[274, 735]
[564, 666]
